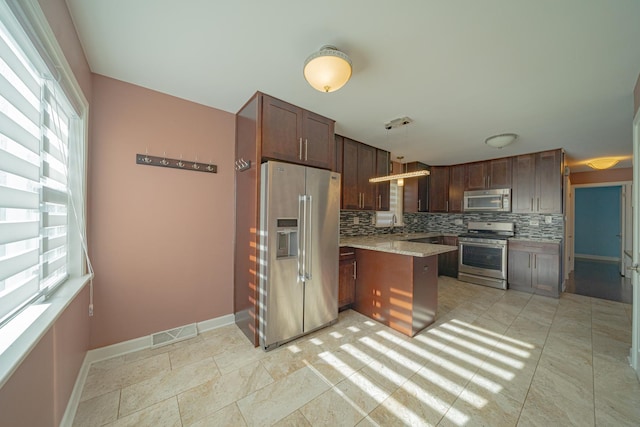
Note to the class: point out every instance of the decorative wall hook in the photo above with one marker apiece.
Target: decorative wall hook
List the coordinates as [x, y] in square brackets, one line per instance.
[243, 165]
[145, 159]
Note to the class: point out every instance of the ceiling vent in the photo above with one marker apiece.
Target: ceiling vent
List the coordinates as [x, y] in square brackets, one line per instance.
[396, 123]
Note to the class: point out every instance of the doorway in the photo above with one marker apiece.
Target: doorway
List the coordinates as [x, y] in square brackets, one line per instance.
[601, 241]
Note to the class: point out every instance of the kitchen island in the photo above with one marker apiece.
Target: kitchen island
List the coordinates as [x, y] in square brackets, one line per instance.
[397, 280]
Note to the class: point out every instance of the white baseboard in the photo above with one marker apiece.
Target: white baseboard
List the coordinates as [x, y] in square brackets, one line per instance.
[597, 257]
[74, 399]
[216, 323]
[120, 349]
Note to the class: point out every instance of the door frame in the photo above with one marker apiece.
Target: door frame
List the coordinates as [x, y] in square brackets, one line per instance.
[625, 187]
[635, 276]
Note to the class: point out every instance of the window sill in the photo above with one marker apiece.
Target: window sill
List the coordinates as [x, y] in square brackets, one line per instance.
[20, 335]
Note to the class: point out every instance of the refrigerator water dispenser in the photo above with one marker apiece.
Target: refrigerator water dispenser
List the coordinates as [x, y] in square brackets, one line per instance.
[287, 238]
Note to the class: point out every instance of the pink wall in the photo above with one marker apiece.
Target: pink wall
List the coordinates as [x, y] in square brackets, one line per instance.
[38, 391]
[607, 175]
[161, 240]
[60, 21]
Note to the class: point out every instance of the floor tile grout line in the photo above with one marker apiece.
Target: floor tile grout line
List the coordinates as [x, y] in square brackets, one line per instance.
[486, 357]
[524, 402]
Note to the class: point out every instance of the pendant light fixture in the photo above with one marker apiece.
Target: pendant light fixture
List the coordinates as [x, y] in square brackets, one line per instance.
[328, 69]
[400, 176]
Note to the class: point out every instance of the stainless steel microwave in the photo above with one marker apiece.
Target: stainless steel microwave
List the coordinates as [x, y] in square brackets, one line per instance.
[498, 200]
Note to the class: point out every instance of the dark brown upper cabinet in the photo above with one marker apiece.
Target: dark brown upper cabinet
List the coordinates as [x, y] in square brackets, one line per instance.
[439, 189]
[489, 174]
[416, 190]
[296, 135]
[358, 165]
[383, 189]
[537, 182]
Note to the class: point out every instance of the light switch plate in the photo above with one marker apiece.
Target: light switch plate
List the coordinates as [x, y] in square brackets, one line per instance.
[457, 222]
[356, 220]
[534, 223]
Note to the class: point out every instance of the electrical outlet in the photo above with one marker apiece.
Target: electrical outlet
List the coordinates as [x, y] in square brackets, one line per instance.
[415, 220]
[534, 223]
[548, 219]
[356, 220]
[457, 222]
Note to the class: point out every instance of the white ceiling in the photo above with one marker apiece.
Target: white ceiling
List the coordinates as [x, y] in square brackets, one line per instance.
[558, 73]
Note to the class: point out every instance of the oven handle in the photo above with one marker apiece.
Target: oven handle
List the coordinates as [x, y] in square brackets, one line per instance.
[483, 245]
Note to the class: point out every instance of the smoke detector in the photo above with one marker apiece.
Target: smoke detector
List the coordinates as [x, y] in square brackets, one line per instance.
[396, 123]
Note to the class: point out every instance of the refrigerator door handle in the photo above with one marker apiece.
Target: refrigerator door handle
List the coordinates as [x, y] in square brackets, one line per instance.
[301, 235]
[308, 237]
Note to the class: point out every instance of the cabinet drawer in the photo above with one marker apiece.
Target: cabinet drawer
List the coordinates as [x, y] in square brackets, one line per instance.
[347, 253]
[536, 247]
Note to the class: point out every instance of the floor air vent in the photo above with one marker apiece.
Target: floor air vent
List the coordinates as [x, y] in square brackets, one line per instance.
[174, 335]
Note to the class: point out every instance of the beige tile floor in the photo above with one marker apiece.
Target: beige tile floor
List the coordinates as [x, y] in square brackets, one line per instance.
[493, 358]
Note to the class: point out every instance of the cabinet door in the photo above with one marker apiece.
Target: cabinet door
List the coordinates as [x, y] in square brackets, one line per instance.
[439, 189]
[549, 182]
[350, 194]
[448, 261]
[346, 282]
[366, 170]
[318, 140]
[546, 274]
[519, 269]
[281, 130]
[339, 141]
[524, 184]
[383, 189]
[476, 176]
[499, 173]
[416, 190]
[456, 188]
[410, 195]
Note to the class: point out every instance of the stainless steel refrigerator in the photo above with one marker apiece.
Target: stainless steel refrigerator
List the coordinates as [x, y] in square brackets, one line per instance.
[299, 236]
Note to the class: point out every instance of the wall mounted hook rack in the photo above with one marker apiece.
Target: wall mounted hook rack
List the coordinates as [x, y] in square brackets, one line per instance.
[145, 159]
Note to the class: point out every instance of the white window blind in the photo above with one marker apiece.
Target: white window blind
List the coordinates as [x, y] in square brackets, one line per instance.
[36, 125]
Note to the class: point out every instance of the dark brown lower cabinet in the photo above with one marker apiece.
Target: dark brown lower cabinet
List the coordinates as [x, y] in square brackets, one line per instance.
[448, 261]
[535, 267]
[347, 278]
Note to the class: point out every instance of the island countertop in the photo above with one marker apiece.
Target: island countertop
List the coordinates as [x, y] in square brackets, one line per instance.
[398, 244]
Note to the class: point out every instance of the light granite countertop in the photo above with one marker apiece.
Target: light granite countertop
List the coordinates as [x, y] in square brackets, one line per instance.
[534, 239]
[398, 244]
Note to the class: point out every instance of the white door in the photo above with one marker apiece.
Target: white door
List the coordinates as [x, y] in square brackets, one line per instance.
[635, 276]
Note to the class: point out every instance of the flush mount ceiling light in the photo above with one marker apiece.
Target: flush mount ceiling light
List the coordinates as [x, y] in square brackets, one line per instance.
[328, 69]
[501, 140]
[602, 163]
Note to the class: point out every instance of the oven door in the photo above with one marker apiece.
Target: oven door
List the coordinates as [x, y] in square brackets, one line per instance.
[483, 259]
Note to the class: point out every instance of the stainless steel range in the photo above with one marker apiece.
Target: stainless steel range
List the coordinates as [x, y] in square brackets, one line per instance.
[483, 253]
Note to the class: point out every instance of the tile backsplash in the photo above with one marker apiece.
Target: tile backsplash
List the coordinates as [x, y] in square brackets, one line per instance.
[433, 222]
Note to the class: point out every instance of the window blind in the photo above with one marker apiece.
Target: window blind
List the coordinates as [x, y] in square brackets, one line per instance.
[34, 146]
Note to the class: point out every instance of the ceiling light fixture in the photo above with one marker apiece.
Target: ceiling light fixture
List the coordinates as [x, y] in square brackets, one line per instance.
[328, 69]
[602, 163]
[404, 175]
[501, 140]
[400, 176]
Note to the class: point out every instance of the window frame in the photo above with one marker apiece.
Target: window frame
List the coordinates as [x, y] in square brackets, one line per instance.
[24, 330]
